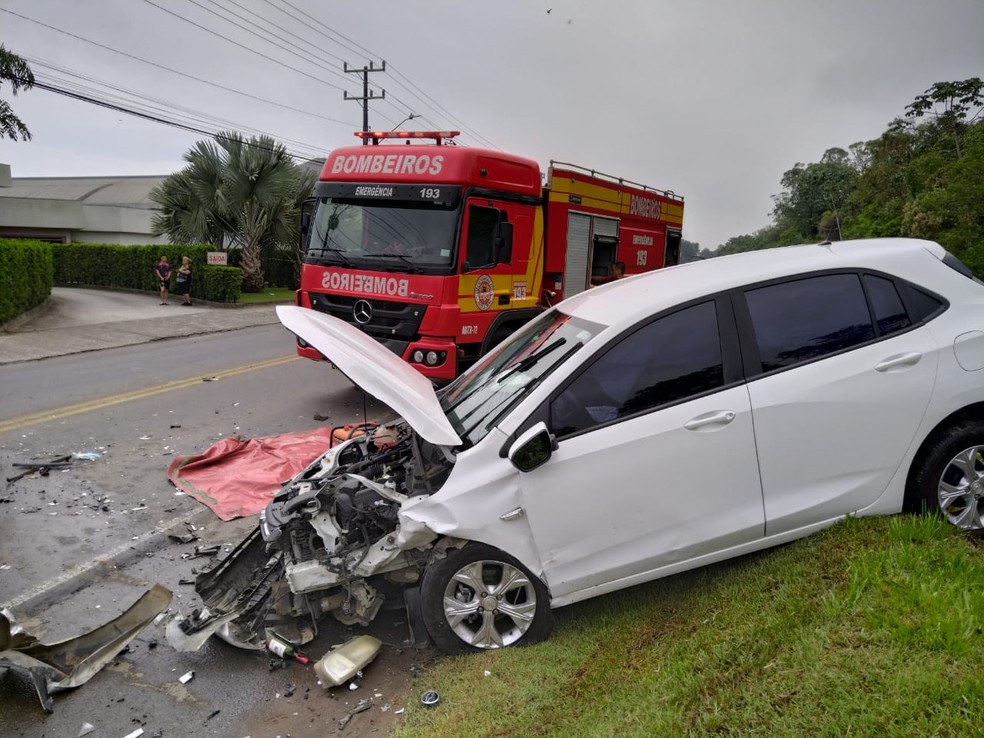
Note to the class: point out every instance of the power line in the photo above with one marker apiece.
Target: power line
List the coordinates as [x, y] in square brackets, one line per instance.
[157, 119]
[362, 49]
[317, 62]
[135, 97]
[175, 71]
[242, 46]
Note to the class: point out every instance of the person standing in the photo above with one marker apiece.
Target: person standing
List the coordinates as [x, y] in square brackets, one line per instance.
[184, 280]
[163, 274]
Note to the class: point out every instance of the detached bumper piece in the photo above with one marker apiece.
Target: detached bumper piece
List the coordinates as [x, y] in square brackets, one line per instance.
[67, 664]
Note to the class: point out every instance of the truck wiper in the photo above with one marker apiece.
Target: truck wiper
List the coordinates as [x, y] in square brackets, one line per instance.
[341, 252]
[405, 259]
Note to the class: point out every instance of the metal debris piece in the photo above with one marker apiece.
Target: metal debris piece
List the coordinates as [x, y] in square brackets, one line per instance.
[185, 678]
[361, 707]
[54, 667]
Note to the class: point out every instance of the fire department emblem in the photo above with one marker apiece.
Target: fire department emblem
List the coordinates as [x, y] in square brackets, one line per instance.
[484, 292]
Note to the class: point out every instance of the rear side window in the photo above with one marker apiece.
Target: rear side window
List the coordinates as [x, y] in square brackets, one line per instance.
[890, 313]
[673, 358]
[924, 305]
[808, 318]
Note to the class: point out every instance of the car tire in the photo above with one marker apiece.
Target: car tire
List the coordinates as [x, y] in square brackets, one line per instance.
[478, 598]
[949, 479]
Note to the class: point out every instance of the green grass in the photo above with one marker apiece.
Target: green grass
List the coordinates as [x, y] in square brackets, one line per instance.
[269, 294]
[871, 628]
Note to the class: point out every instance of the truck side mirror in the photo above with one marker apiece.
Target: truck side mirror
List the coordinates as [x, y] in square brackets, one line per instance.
[502, 244]
[307, 210]
[533, 449]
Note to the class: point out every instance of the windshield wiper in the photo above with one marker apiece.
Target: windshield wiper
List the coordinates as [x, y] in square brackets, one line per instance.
[530, 360]
[405, 259]
[341, 253]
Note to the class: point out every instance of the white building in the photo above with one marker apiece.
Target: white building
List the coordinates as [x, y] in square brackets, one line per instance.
[89, 209]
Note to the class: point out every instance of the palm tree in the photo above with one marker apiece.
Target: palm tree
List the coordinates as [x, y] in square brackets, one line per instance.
[15, 70]
[234, 193]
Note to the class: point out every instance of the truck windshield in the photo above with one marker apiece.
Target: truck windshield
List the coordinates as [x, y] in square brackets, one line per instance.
[478, 398]
[393, 236]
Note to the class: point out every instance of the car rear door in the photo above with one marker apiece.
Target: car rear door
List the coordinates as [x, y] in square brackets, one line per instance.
[839, 379]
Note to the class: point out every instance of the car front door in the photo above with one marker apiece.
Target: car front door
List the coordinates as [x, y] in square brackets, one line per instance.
[655, 462]
[842, 392]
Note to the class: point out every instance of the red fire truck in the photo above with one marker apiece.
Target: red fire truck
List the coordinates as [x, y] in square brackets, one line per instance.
[441, 251]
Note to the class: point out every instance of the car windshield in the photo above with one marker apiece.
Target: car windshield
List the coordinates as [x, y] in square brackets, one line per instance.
[396, 236]
[477, 399]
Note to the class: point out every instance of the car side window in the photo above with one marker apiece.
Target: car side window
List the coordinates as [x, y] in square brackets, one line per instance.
[890, 314]
[672, 358]
[808, 318]
[924, 306]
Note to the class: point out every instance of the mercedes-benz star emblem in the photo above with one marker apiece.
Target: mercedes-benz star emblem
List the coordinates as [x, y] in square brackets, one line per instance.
[362, 311]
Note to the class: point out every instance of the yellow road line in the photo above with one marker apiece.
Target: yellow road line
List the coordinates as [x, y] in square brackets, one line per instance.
[102, 403]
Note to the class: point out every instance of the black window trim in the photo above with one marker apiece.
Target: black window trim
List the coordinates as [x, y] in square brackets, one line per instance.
[730, 364]
[751, 360]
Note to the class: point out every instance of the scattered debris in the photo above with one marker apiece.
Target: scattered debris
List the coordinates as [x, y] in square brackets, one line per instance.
[319, 418]
[175, 425]
[135, 734]
[145, 438]
[210, 379]
[86, 455]
[42, 467]
[212, 715]
[202, 551]
[345, 662]
[430, 699]
[55, 667]
[86, 729]
[361, 707]
[185, 678]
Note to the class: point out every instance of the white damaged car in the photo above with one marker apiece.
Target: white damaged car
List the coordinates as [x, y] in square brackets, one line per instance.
[636, 430]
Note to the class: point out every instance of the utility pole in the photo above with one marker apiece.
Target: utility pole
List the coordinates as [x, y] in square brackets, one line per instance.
[366, 95]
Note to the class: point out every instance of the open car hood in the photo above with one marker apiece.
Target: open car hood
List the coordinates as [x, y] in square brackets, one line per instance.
[374, 368]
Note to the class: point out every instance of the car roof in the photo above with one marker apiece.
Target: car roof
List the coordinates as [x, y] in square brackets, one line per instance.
[627, 300]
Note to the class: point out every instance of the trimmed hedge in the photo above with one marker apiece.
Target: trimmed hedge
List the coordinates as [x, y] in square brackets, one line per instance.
[132, 267]
[26, 275]
[222, 284]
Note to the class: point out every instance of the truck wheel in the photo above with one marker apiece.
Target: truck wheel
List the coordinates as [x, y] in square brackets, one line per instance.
[479, 598]
[950, 477]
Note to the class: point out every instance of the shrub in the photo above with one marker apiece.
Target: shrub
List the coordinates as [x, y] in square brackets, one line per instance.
[26, 275]
[223, 284]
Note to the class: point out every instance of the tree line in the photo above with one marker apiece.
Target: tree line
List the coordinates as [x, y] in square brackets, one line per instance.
[922, 178]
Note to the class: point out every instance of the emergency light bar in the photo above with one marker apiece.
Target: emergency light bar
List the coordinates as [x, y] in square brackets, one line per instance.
[377, 136]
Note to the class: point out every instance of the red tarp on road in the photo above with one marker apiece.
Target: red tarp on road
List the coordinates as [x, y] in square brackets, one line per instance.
[237, 476]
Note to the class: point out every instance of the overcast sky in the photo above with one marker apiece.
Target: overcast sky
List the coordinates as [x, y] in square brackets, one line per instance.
[713, 99]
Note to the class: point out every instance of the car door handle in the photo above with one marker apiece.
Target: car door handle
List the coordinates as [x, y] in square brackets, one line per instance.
[721, 417]
[513, 514]
[899, 362]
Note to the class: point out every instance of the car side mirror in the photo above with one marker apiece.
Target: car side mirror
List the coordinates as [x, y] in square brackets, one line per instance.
[533, 449]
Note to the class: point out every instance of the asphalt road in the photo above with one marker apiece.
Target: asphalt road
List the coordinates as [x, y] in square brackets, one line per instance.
[79, 546]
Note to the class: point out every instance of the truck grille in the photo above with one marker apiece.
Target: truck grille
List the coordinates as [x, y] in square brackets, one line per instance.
[390, 321]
